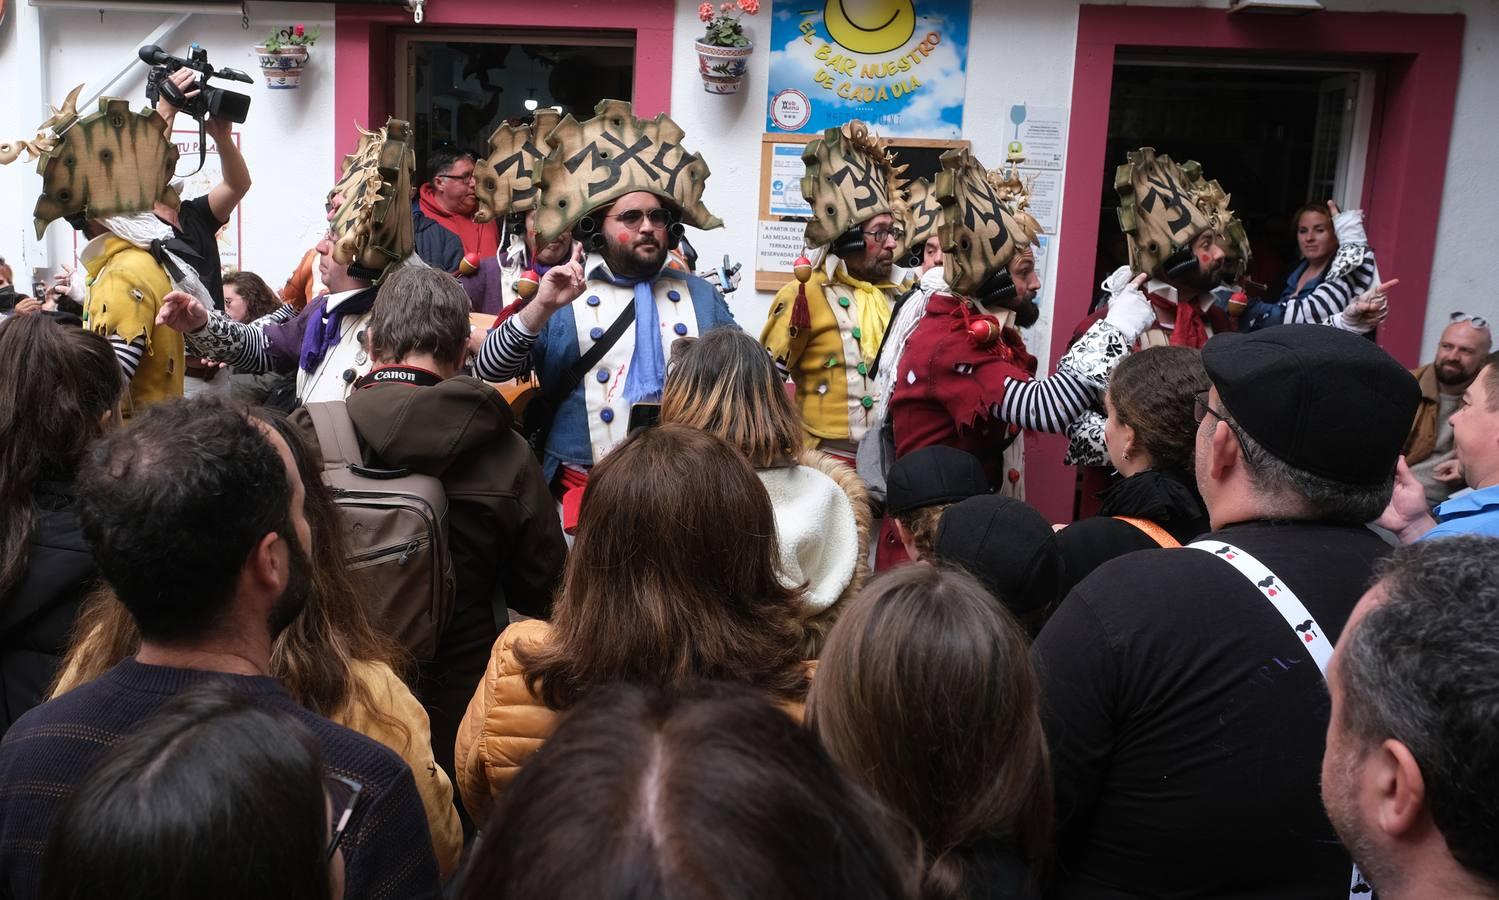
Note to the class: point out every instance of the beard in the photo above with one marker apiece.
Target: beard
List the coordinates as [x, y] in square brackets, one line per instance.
[1459, 376]
[638, 258]
[298, 588]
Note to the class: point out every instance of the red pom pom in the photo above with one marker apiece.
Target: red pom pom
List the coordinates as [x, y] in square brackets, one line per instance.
[526, 284]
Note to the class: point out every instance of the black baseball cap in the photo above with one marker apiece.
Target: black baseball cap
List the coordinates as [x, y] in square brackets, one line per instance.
[1007, 545]
[1323, 400]
[931, 476]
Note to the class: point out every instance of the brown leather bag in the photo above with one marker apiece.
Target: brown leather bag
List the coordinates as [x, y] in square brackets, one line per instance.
[396, 524]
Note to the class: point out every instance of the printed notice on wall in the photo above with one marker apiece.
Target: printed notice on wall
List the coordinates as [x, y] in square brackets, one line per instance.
[780, 243]
[786, 171]
[202, 181]
[1045, 188]
[1038, 134]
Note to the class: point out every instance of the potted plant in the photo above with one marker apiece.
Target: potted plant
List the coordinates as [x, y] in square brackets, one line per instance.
[723, 52]
[283, 55]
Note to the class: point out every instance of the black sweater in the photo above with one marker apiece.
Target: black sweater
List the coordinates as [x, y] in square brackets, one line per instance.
[38, 611]
[387, 848]
[1167, 498]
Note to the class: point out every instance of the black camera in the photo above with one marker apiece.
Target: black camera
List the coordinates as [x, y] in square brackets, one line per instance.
[211, 101]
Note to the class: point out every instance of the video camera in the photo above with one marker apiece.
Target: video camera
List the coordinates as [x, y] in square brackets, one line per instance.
[211, 101]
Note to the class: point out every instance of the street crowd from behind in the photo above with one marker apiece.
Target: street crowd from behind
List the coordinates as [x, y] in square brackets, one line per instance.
[311, 594]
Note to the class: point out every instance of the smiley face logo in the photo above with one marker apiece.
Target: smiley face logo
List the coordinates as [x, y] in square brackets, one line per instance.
[870, 26]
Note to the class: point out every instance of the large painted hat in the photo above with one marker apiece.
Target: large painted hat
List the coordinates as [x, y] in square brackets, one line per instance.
[110, 162]
[505, 180]
[371, 226]
[850, 178]
[1013, 191]
[1228, 231]
[596, 162]
[918, 215]
[979, 234]
[1160, 209]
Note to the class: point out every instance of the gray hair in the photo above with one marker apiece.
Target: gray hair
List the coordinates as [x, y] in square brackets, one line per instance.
[1423, 668]
[419, 310]
[1307, 496]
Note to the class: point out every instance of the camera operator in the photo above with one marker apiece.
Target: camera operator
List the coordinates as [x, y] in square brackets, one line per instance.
[197, 221]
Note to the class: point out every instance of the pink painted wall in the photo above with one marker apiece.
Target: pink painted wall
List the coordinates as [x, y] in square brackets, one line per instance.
[1420, 56]
[364, 47]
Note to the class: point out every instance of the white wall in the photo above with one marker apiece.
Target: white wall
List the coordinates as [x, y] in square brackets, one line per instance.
[287, 140]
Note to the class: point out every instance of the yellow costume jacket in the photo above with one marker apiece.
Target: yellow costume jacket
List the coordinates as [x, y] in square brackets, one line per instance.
[125, 289]
[831, 362]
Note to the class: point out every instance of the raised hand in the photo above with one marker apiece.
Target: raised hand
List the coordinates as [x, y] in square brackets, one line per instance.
[181, 311]
[560, 286]
[1407, 515]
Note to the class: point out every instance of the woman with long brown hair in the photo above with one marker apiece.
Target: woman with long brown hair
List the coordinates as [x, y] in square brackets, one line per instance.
[926, 694]
[331, 659]
[60, 390]
[674, 576]
[726, 384]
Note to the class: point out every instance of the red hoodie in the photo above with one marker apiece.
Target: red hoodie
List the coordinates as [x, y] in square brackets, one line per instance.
[483, 240]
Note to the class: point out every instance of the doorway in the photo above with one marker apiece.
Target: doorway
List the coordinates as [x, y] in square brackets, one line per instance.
[1275, 134]
[456, 88]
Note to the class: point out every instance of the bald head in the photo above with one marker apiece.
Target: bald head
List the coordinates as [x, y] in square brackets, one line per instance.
[1460, 355]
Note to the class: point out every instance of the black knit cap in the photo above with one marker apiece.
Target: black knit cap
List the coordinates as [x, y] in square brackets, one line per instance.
[1325, 401]
[933, 475]
[1007, 545]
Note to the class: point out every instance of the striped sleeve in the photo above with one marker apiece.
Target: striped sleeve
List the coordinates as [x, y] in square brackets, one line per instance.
[1045, 404]
[1333, 295]
[129, 354]
[242, 346]
[503, 354]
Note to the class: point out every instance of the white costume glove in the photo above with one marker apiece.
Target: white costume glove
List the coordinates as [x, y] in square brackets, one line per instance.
[1129, 310]
[1365, 312]
[1348, 225]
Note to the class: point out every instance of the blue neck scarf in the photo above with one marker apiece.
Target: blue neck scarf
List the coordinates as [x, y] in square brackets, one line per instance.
[322, 336]
[647, 375]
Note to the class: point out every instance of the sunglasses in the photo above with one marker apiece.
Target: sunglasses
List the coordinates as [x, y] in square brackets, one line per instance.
[1475, 321]
[631, 218]
[343, 796]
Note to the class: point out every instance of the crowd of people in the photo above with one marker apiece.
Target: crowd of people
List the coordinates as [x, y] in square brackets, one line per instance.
[491, 557]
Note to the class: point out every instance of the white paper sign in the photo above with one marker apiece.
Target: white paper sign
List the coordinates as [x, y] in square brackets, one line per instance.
[1045, 186]
[786, 171]
[1038, 133]
[779, 244]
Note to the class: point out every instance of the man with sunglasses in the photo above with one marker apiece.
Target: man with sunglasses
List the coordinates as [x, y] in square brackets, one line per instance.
[825, 327]
[599, 329]
[1429, 449]
[1185, 700]
[443, 213]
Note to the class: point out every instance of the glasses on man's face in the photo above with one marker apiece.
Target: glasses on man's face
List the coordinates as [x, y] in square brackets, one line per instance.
[467, 179]
[881, 235]
[631, 218]
[1475, 321]
[343, 796]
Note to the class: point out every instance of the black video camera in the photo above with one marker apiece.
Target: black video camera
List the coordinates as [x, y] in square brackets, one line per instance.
[211, 101]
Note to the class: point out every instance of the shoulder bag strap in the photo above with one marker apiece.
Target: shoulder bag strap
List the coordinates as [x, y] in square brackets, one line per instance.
[1152, 530]
[587, 361]
[1302, 624]
[335, 434]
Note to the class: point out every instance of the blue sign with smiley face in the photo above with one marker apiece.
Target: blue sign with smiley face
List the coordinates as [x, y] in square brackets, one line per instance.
[899, 65]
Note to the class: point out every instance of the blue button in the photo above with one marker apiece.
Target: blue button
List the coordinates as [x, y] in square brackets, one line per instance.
[680, 328]
[602, 375]
[593, 300]
[596, 333]
[673, 296]
[607, 415]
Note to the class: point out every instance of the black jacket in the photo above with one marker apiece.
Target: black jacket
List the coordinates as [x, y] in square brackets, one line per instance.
[1168, 498]
[37, 612]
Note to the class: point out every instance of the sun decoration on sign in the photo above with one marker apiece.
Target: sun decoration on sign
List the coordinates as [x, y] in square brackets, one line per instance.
[870, 26]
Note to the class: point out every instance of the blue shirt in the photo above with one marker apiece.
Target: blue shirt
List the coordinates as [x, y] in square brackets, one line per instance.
[1476, 512]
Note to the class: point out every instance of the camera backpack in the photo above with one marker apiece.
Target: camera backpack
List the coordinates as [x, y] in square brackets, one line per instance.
[396, 529]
